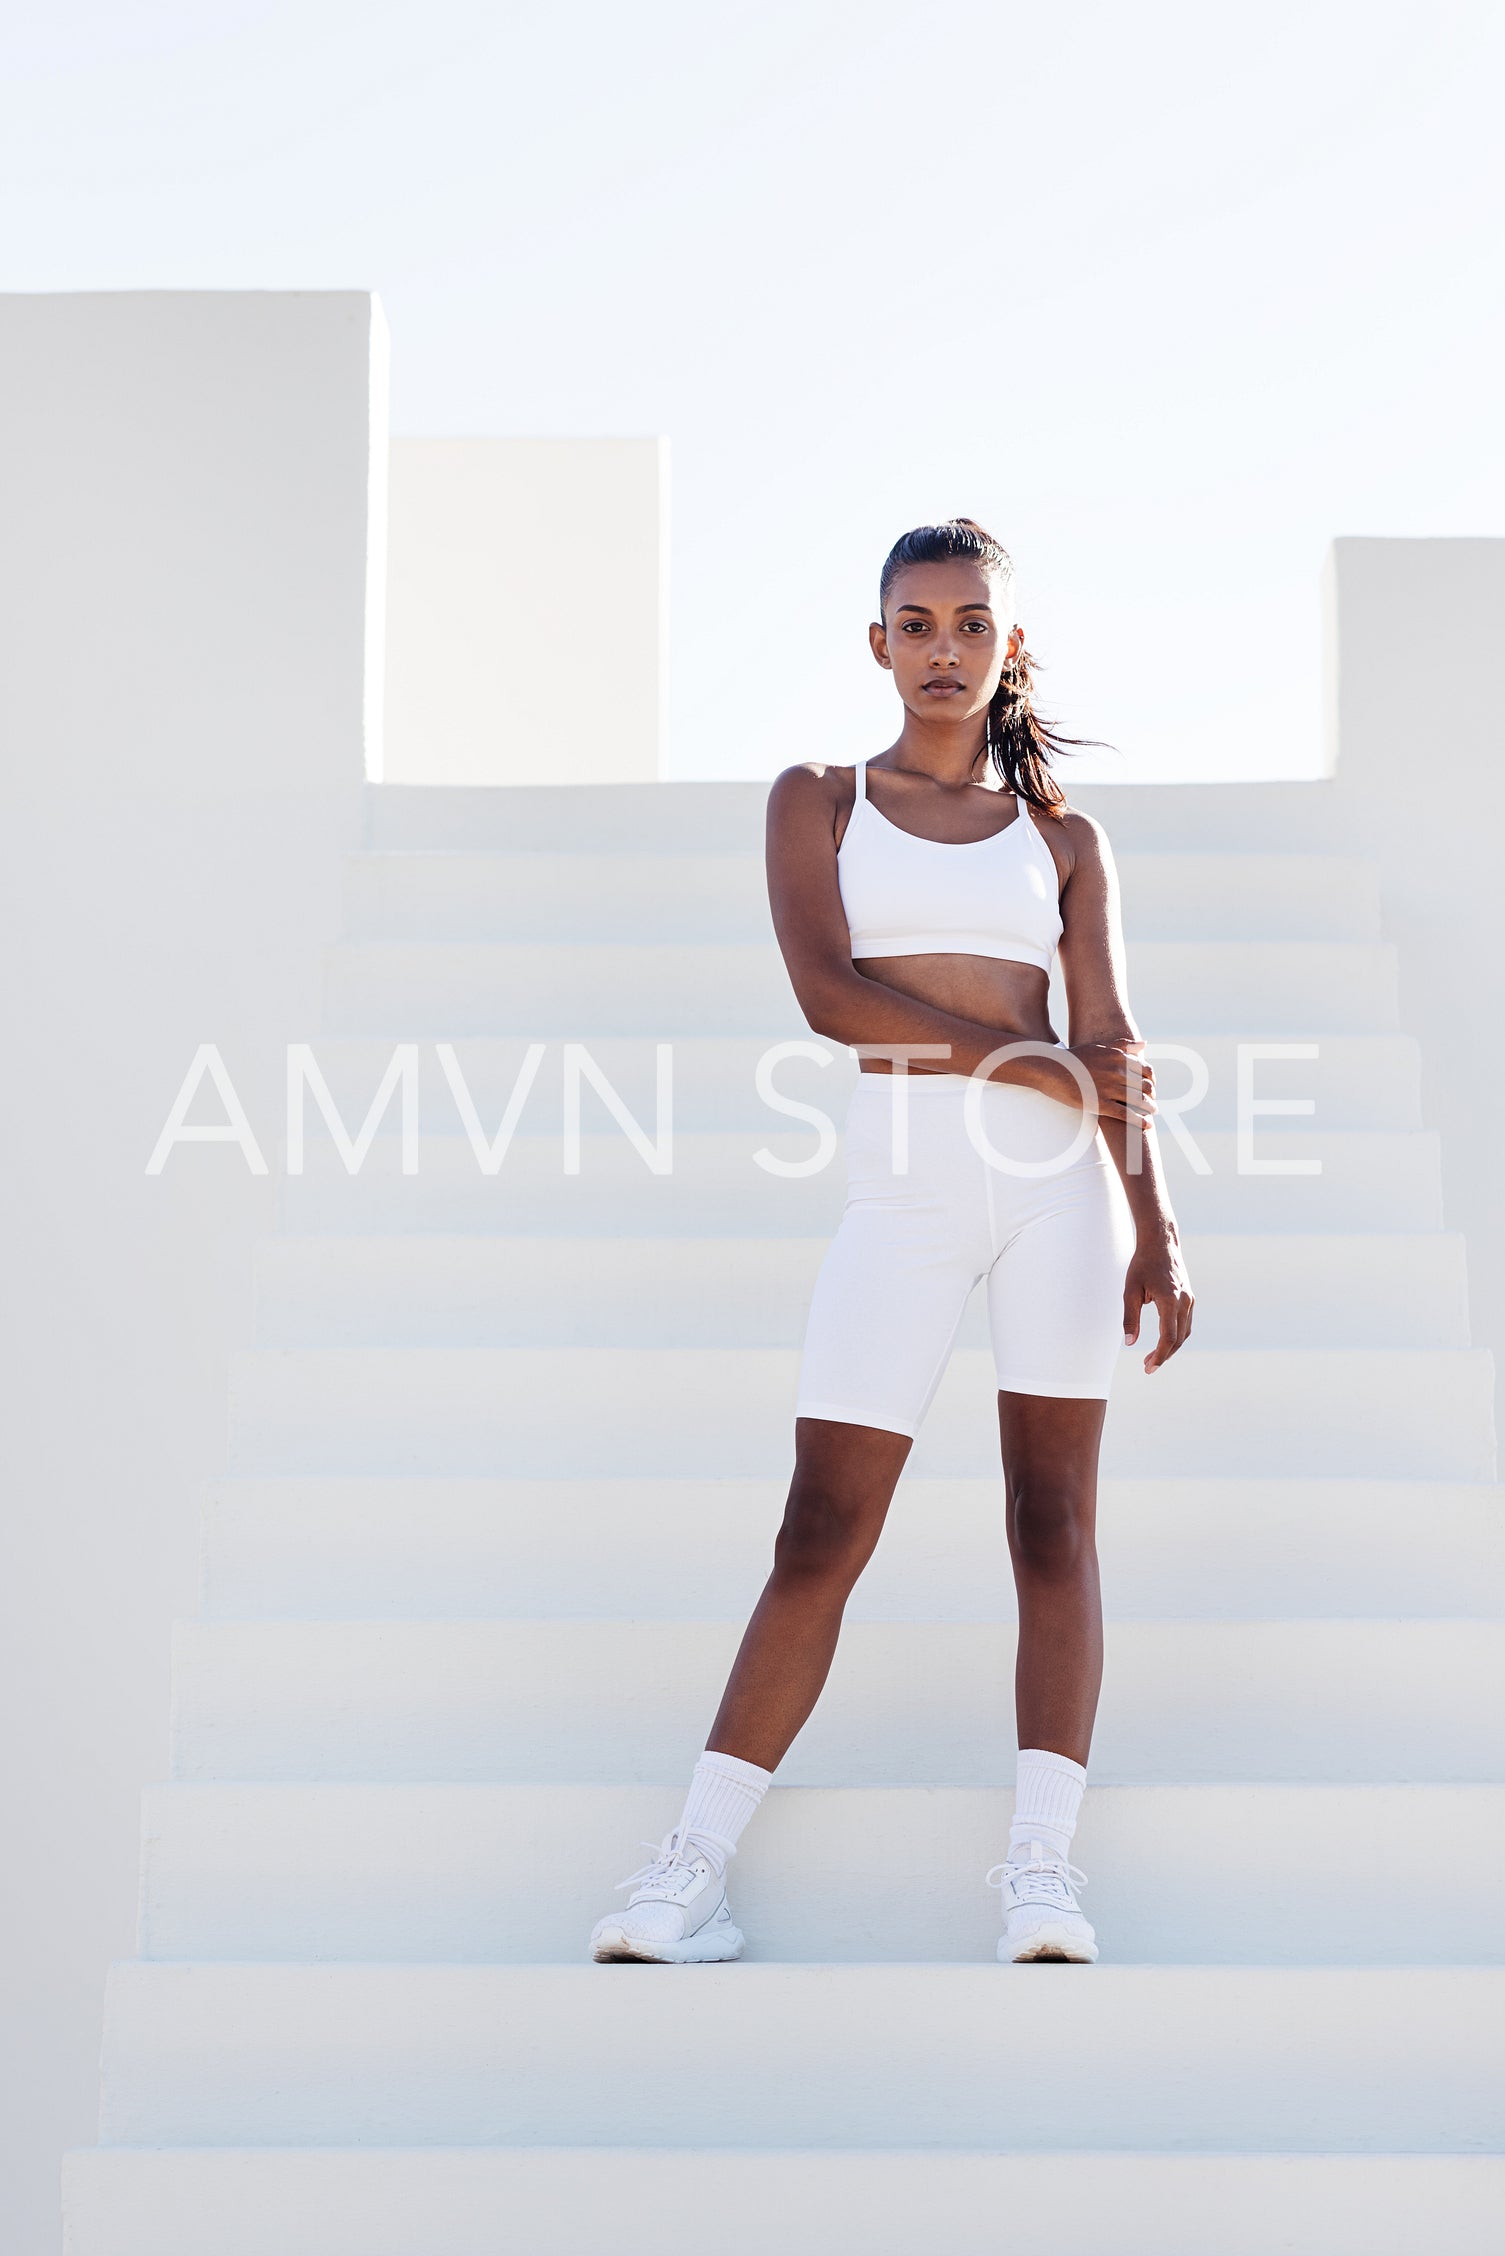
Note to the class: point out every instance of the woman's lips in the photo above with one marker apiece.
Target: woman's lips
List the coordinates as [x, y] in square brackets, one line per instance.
[944, 688]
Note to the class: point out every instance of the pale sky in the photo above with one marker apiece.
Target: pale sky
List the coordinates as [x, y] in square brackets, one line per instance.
[1168, 296]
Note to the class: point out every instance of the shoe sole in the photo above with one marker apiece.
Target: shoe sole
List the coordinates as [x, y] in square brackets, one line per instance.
[703, 1949]
[1049, 1944]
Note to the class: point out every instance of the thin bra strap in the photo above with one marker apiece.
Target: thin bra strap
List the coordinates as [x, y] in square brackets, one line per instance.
[861, 779]
[1023, 805]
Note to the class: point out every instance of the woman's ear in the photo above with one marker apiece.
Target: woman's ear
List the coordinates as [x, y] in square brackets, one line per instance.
[878, 639]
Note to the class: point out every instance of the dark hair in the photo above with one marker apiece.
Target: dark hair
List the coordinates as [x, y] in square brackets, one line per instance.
[1020, 744]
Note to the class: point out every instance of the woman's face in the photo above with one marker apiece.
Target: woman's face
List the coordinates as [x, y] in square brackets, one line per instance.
[943, 640]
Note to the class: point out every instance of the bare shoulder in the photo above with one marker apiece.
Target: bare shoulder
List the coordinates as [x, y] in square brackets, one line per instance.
[812, 783]
[812, 792]
[1085, 839]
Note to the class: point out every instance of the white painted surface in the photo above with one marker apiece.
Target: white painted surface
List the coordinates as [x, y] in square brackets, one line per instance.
[1420, 787]
[370, 2202]
[1410, 1413]
[363, 1548]
[183, 555]
[1242, 2059]
[908, 1703]
[1181, 1875]
[527, 610]
[1349, 1290]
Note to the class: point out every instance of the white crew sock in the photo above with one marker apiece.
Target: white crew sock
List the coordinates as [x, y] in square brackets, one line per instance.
[1046, 1801]
[724, 1794]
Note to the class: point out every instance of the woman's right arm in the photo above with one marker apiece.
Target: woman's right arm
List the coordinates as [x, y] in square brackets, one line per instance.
[843, 1004]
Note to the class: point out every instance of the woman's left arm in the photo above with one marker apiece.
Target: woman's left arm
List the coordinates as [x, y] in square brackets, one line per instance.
[1092, 962]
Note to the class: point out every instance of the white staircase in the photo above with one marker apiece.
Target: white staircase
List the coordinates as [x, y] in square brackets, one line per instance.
[505, 1468]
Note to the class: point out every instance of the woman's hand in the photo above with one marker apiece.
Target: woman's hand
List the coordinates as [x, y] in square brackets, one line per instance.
[1124, 1084]
[1157, 1274]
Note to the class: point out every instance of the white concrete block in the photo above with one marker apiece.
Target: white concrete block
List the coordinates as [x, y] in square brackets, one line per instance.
[908, 1703]
[368, 1547]
[1407, 1413]
[1179, 1875]
[550, 2201]
[1304, 2060]
[484, 564]
[1443, 903]
[191, 496]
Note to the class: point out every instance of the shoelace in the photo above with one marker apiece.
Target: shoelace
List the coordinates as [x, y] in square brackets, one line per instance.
[1047, 1868]
[668, 1859]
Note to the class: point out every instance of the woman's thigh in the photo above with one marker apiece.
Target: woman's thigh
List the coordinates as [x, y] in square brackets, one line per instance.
[1055, 1291]
[887, 1305]
[892, 1288]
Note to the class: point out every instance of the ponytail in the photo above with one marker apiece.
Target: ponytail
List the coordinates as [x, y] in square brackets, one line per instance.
[1020, 744]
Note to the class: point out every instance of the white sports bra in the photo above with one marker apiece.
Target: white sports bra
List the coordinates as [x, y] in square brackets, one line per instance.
[908, 896]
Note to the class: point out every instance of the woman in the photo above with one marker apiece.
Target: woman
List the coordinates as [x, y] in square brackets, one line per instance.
[918, 910]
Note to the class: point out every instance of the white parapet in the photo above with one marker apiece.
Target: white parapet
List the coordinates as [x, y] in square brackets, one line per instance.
[192, 497]
[526, 611]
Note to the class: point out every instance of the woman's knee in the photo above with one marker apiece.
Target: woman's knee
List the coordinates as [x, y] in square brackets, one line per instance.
[827, 1536]
[1052, 1523]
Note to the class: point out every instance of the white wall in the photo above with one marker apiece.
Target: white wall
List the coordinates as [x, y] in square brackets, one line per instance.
[1420, 626]
[187, 480]
[526, 611]
[1416, 729]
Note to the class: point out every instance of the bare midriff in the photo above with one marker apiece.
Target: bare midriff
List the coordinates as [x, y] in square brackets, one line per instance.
[1014, 997]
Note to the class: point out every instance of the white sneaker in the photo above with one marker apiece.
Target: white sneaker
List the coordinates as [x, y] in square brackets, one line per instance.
[1041, 1916]
[677, 1915]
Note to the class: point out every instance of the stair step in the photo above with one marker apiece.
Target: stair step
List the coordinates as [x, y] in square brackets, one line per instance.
[1180, 1874]
[1214, 2058]
[374, 1546]
[559, 897]
[1407, 1413]
[438, 1290]
[552, 2201]
[1366, 1180]
[661, 817]
[589, 894]
[1355, 1080]
[675, 816]
[408, 988]
[908, 1703]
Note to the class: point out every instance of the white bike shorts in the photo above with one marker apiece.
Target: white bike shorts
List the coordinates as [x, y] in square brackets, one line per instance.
[999, 1182]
